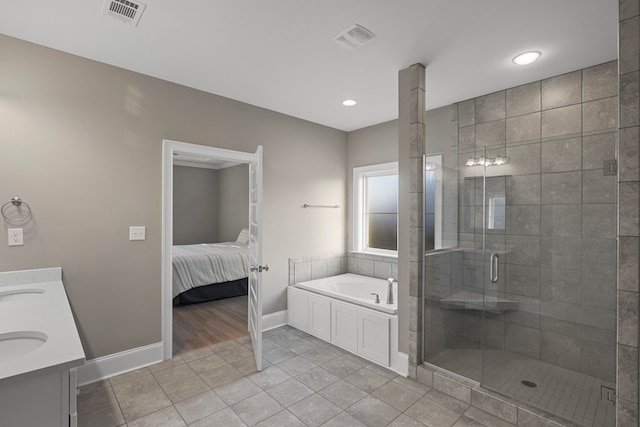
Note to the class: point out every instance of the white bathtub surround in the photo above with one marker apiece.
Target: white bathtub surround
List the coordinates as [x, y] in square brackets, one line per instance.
[380, 266]
[302, 269]
[341, 310]
[355, 289]
[40, 349]
[306, 268]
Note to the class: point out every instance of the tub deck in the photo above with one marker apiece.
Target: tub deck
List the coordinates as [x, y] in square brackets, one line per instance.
[355, 289]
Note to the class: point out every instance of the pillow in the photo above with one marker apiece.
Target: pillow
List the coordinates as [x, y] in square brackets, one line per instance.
[243, 237]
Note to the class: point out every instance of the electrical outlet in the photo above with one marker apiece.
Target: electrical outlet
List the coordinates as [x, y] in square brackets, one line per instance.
[16, 237]
[138, 232]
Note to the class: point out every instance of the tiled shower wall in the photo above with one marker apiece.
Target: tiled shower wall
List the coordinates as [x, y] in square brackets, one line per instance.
[558, 244]
[302, 269]
[629, 207]
[443, 278]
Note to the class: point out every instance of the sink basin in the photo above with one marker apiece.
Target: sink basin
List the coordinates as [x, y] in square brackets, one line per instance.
[19, 293]
[19, 343]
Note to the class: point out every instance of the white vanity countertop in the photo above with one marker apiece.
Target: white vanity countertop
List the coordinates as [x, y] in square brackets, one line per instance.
[47, 312]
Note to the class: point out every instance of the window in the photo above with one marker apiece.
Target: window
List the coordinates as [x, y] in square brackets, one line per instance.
[430, 208]
[433, 176]
[496, 217]
[375, 190]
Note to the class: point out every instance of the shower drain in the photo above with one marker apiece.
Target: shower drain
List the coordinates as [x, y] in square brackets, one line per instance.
[529, 383]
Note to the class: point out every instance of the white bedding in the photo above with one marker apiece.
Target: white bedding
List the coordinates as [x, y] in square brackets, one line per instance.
[208, 263]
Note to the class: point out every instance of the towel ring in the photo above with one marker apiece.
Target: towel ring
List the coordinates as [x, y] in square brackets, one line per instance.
[15, 201]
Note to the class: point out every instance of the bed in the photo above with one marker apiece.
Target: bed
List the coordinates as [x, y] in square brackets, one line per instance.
[210, 271]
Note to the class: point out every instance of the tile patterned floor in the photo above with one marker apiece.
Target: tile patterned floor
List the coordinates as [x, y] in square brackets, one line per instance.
[305, 382]
[559, 391]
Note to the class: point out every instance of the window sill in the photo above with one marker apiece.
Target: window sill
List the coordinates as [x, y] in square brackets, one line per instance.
[375, 254]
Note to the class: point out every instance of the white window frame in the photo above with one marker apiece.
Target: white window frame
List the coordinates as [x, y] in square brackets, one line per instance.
[359, 224]
[436, 161]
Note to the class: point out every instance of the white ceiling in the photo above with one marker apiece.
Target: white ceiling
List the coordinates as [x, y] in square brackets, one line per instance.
[280, 54]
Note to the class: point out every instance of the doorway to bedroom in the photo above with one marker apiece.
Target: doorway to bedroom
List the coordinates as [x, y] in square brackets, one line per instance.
[210, 251]
[211, 240]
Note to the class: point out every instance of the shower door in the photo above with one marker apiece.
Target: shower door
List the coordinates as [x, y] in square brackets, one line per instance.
[522, 298]
[548, 266]
[495, 223]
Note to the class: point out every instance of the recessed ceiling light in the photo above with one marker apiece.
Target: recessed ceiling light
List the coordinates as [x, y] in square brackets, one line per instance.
[526, 58]
[349, 102]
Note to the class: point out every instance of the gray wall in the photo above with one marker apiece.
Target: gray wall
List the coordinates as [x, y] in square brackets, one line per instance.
[368, 146]
[233, 208]
[195, 205]
[209, 205]
[82, 144]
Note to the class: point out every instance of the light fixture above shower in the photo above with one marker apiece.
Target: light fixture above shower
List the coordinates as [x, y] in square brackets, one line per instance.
[499, 160]
[527, 58]
[485, 161]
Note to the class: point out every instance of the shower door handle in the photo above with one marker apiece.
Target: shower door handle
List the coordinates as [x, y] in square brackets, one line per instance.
[494, 270]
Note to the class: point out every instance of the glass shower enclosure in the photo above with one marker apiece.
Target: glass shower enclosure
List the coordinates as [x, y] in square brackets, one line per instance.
[520, 288]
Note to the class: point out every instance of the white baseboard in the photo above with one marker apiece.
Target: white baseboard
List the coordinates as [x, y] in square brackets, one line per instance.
[130, 360]
[274, 320]
[119, 363]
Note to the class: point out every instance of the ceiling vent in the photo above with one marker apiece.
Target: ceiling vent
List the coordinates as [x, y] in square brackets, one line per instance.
[126, 11]
[354, 37]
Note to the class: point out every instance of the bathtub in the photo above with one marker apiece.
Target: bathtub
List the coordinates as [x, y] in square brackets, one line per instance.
[355, 289]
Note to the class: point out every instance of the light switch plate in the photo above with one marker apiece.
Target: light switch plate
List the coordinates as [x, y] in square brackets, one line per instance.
[138, 232]
[15, 237]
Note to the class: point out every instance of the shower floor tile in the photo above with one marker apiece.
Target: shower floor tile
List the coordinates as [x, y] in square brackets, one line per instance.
[557, 390]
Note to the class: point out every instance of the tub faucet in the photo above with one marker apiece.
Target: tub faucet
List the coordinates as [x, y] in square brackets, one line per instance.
[390, 291]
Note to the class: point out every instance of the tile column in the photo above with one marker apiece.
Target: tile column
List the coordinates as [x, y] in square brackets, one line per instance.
[411, 149]
[628, 212]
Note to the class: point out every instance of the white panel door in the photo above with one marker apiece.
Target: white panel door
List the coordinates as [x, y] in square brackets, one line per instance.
[255, 254]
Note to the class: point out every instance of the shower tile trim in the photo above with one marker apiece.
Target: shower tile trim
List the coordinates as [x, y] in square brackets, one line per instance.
[509, 410]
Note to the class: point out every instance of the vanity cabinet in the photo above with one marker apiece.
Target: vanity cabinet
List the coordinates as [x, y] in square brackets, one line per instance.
[41, 350]
[354, 328]
[37, 399]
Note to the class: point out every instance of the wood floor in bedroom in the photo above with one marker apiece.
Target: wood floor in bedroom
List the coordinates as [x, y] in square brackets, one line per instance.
[201, 325]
